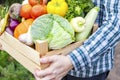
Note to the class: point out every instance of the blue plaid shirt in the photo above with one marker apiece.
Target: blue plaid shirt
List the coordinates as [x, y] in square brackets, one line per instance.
[96, 55]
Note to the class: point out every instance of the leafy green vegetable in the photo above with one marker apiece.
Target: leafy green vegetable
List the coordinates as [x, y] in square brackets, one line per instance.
[78, 8]
[53, 28]
[3, 11]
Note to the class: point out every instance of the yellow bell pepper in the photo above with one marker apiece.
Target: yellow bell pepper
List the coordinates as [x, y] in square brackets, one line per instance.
[59, 7]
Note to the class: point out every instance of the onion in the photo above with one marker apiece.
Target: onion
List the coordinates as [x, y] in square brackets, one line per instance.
[14, 10]
[9, 31]
[13, 24]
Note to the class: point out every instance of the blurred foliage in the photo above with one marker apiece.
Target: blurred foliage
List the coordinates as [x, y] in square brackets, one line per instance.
[10, 69]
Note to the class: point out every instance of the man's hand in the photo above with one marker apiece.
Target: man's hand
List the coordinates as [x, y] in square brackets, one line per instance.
[59, 66]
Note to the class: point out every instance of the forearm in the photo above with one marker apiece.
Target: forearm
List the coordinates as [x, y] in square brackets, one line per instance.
[98, 43]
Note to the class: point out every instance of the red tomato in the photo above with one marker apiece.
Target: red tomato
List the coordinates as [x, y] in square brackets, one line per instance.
[38, 10]
[44, 9]
[25, 11]
[35, 2]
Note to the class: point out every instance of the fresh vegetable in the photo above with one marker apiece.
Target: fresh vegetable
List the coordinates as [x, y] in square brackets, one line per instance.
[3, 11]
[26, 38]
[78, 8]
[90, 19]
[13, 23]
[3, 23]
[78, 24]
[25, 11]
[14, 10]
[35, 2]
[38, 10]
[10, 69]
[22, 27]
[4, 6]
[59, 7]
[53, 28]
[8, 29]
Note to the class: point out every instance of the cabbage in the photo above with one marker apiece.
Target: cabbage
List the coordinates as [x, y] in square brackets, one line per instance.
[53, 28]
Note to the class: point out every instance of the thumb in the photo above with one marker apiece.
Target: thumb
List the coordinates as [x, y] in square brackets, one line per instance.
[36, 77]
[48, 59]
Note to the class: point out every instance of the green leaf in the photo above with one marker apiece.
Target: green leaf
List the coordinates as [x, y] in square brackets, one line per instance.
[78, 8]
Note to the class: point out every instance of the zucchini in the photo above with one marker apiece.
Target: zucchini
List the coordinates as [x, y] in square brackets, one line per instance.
[89, 22]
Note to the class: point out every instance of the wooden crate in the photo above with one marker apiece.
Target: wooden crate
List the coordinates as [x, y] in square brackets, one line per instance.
[28, 56]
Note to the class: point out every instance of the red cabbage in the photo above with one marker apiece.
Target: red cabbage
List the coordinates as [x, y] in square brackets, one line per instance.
[13, 24]
[9, 31]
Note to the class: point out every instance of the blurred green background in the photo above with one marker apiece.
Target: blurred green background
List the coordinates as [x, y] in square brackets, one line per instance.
[10, 69]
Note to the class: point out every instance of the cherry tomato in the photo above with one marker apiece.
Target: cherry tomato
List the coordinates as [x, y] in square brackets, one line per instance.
[35, 2]
[25, 11]
[38, 10]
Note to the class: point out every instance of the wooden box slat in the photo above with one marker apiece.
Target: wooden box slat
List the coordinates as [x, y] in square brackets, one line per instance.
[26, 62]
[28, 56]
[20, 47]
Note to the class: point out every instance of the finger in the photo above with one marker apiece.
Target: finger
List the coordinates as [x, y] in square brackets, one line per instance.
[49, 77]
[60, 76]
[56, 79]
[43, 73]
[44, 60]
[49, 59]
[36, 78]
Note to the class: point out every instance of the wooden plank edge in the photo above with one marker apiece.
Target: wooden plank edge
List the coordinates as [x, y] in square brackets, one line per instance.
[18, 46]
[27, 63]
[42, 48]
[66, 50]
